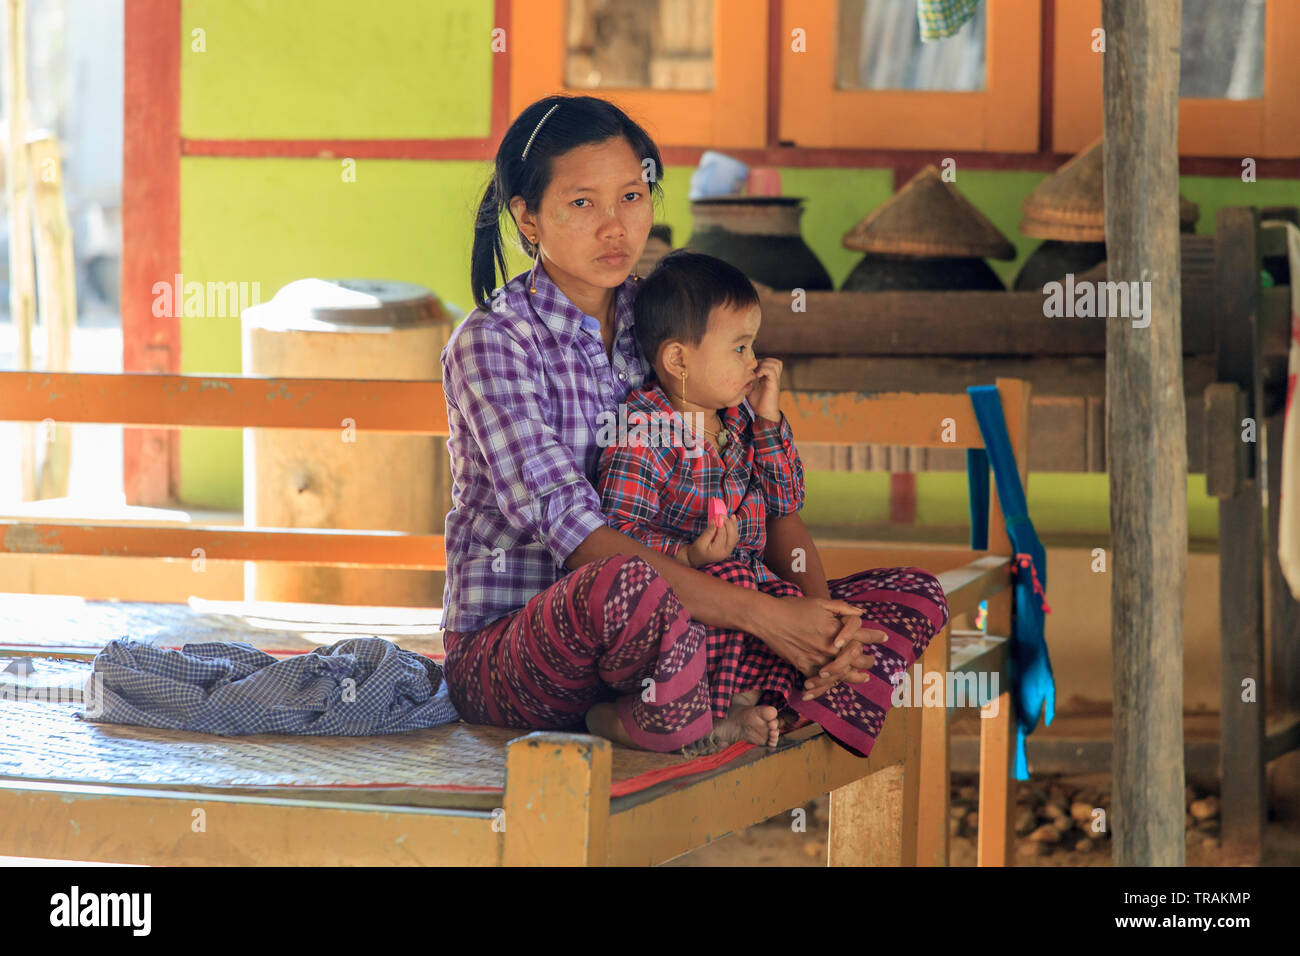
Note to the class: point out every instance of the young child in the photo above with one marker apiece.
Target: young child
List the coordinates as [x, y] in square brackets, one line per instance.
[715, 433]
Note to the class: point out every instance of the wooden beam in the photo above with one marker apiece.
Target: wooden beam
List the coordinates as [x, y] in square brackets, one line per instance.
[953, 324]
[338, 548]
[419, 407]
[1076, 376]
[667, 819]
[891, 418]
[967, 586]
[1145, 430]
[225, 401]
[186, 828]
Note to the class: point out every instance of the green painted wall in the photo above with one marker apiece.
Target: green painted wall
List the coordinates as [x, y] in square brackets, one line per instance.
[413, 69]
[328, 69]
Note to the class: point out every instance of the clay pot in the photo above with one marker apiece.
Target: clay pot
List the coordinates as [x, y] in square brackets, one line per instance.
[1053, 259]
[760, 236]
[879, 273]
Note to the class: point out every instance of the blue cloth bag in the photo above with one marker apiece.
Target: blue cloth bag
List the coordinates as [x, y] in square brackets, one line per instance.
[355, 687]
[1033, 688]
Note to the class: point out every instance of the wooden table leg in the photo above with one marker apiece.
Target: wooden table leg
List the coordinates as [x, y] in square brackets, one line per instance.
[873, 820]
[995, 842]
[932, 809]
[557, 800]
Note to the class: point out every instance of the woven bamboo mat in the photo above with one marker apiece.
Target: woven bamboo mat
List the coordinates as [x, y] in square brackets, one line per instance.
[39, 620]
[455, 765]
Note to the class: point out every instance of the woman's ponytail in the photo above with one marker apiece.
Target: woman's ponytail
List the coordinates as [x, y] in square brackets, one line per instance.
[488, 252]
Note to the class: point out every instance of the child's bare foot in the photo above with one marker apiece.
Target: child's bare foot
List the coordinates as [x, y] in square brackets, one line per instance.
[745, 721]
[786, 719]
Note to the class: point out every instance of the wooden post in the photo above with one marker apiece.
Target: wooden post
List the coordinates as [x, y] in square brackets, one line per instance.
[1242, 679]
[58, 294]
[557, 800]
[1145, 429]
[151, 228]
[22, 278]
[995, 839]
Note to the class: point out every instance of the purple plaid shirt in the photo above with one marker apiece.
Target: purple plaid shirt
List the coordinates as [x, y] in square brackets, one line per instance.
[525, 384]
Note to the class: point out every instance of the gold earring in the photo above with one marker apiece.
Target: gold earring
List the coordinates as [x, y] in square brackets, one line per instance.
[532, 275]
[683, 386]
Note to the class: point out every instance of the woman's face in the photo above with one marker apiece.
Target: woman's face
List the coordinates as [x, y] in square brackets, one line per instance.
[596, 204]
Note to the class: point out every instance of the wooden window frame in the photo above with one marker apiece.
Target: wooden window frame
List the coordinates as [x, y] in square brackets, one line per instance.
[1266, 127]
[733, 115]
[1004, 117]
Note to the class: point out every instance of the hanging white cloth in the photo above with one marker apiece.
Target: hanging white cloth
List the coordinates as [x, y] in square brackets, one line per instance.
[1288, 530]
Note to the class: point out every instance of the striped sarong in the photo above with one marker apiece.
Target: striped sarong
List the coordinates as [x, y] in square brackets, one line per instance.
[614, 630]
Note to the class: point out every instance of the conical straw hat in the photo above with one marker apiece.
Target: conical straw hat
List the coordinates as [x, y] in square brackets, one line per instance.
[1070, 205]
[929, 217]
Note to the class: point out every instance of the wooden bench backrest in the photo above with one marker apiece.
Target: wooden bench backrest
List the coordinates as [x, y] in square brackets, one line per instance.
[891, 418]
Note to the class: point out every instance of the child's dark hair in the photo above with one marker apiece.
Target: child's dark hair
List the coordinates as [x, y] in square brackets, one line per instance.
[579, 121]
[675, 300]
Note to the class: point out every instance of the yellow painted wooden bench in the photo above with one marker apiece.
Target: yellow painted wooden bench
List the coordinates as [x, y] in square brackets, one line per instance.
[456, 794]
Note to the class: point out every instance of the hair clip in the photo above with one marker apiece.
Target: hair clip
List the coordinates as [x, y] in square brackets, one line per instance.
[536, 128]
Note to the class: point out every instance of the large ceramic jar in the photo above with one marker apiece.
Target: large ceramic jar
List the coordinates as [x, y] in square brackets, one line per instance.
[760, 236]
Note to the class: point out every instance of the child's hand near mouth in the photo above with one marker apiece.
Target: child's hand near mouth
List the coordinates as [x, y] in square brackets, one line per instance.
[765, 389]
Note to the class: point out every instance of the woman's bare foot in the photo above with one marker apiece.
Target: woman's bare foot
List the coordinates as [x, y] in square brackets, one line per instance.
[745, 721]
[603, 721]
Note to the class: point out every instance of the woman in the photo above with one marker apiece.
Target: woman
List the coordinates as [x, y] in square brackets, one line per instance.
[553, 618]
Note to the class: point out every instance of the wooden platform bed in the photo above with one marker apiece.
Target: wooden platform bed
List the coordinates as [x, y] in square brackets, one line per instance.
[459, 793]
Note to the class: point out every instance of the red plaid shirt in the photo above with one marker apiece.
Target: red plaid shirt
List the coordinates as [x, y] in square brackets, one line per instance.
[659, 494]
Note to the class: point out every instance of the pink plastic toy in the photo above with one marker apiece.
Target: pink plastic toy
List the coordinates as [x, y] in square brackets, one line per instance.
[717, 512]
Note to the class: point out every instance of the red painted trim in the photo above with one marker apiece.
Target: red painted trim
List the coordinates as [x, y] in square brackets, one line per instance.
[150, 228]
[359, 148]
[1047, 81]
[902, 498]
[775, 46]
[906, 162]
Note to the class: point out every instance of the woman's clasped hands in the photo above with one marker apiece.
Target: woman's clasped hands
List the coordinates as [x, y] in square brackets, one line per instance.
[823, 638]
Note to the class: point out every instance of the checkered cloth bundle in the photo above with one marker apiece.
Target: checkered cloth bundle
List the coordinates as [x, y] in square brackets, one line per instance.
[355, 687]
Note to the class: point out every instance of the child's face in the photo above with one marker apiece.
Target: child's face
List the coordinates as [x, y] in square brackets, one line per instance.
[720, 370]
